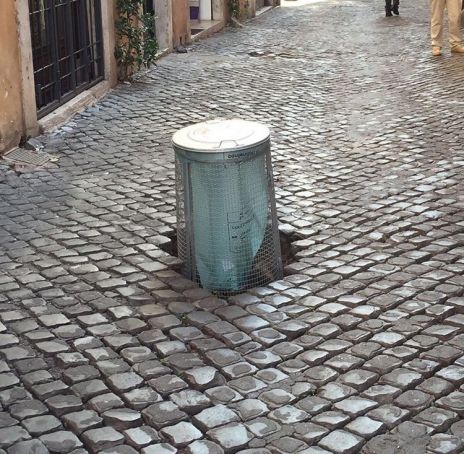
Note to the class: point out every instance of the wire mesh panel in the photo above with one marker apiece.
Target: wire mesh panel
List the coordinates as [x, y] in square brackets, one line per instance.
[227, 227]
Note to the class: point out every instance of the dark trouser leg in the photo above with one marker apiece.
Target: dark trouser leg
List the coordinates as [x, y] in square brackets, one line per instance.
[388, 7]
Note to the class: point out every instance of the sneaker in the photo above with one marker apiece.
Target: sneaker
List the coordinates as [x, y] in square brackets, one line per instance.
[458, 49]
[436, 51]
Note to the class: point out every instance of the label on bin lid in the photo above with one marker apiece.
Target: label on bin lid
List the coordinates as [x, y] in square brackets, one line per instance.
[221, 135]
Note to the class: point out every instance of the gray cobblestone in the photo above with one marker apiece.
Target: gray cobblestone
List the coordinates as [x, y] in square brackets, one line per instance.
[12, 435]
[141, 436]
[390, 415]
[104, 402]
[190, 401]
[61, 441]
[81, 421]
[62, 404]
[223, 395]
[181, 434]
[27, 447]
[231, 437]
[159, 448]
[163, 414]
[27, 409]
[122, 418]
[214, 417]
[88, 389]
[288, 414]
[369, 314]
[102, 438]
[204, 446]
[365, 427]
[341, 441]
[125, 382]
[445, 444]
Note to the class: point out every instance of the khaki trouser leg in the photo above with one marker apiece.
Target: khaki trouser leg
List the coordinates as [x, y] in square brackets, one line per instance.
[454, 21]
[438, 8]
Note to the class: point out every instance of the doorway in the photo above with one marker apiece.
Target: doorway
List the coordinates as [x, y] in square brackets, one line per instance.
[205, 15]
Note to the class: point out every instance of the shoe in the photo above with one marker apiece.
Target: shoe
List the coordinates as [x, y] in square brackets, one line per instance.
[458, 49]
[395, 10]
[388, 13]
[436, 51]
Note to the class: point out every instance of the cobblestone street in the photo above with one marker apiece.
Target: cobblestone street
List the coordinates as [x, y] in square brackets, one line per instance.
[105, 347]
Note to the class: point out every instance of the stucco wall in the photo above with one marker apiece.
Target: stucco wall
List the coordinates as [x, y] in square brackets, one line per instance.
[109, 14]
[180, 22]
[11, 119]
[163, 9]
[220, 9]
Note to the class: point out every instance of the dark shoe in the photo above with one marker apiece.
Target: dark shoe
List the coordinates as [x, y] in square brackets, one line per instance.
[388, 13]
[395, 10]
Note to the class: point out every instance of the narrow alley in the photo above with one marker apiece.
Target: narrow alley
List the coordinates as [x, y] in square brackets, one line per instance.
[105, 347]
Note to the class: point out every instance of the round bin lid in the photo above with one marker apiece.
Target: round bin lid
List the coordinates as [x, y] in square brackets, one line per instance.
[221, 135]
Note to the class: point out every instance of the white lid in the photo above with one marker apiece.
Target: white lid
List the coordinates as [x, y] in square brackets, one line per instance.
[220, 135]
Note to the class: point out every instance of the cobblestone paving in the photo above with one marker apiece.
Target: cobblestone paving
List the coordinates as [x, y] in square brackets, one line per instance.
[105, 347]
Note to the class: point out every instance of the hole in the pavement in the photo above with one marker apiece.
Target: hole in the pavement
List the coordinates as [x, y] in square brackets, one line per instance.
[288, 251]
[170, 246]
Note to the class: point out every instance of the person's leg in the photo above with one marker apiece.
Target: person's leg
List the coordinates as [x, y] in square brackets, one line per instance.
[388, 7]
[437, 9]
[454, 22]
[395, 7]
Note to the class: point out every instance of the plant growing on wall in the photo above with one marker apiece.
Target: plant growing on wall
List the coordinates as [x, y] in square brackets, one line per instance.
[136, 43]
[238, 9]
[234, 8]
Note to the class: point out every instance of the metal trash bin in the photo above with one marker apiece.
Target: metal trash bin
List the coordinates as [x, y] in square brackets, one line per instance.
[227, 233]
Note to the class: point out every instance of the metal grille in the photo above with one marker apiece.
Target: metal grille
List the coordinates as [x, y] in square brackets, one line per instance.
[22, 156]
[227, 226]
[67, 47]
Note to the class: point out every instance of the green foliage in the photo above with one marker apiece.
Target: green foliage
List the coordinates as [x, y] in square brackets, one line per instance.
[234, 8]
[239, 9]
[136, 45]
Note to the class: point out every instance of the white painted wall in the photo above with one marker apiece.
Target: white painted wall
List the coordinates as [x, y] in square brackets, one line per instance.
[205, 9]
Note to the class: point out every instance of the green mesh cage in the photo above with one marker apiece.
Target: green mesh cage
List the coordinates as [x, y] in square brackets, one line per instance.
[227, 231]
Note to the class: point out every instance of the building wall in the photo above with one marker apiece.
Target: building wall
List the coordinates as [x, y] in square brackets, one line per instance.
[109, 14]
[18, 116]
[220, 9]
[180, 22]
[11, 117]
[163, 11]
[247, 9]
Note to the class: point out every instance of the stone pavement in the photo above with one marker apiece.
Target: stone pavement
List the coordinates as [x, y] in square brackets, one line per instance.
[105, 347]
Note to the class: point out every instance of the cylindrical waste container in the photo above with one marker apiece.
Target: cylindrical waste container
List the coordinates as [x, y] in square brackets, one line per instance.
[227, 231]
